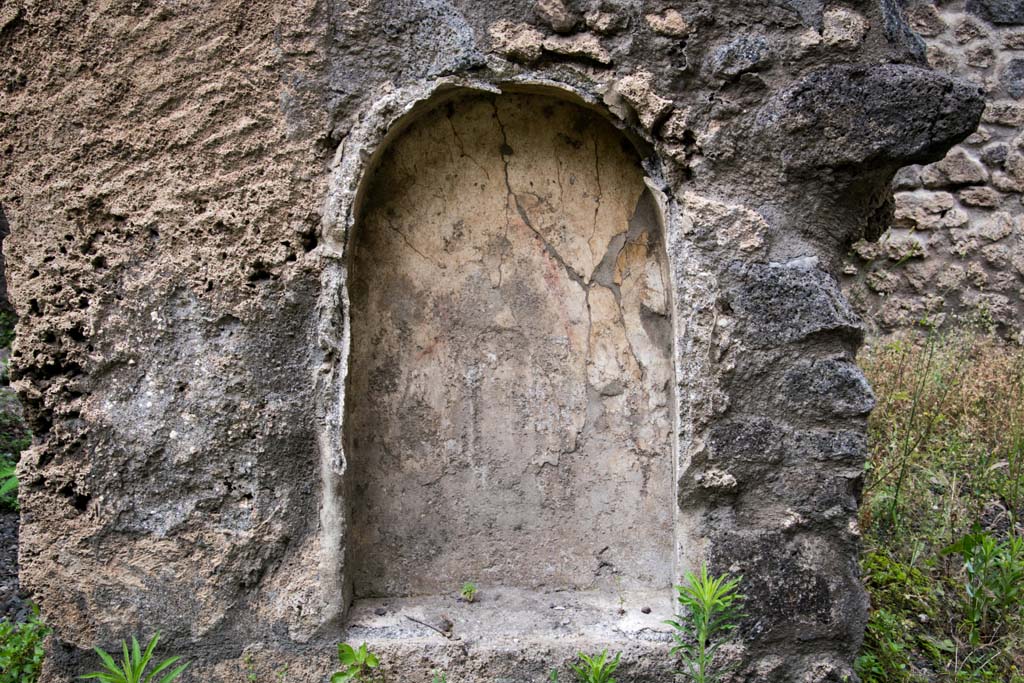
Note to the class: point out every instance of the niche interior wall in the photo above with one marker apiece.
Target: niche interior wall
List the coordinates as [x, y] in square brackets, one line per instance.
[326, 308]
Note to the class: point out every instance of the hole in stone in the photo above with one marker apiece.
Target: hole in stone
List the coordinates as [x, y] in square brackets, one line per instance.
[509, 408]
[79, 501]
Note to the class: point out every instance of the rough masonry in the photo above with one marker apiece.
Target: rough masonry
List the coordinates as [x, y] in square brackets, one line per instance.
[954, 249]
[326, 307]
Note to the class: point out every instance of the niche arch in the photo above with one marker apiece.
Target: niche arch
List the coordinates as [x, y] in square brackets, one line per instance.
[509, 404]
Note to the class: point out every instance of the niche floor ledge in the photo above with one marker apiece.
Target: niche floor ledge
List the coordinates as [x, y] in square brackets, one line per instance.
[512, 635]
[515, 616]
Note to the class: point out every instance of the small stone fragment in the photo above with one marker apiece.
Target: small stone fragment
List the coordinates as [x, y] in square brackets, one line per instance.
[902, 248]
[910, 204]
[1015, 165]
[843, 28]
[925, 20]
[716, 480]
[1004, 113]
[645, 610]
[581, 46]
[519, 42]
[957, 169]
[677, 125]
[907, 178]
[556, 15]
[1014, 41]
[1018, 263]
[941, 59]
[981, 57]
[669, 23]
[968, 30]
[979, 137]
[997, 256]
[1006, 183]
[920, 274]
[868, 251]
[1012, 78]
[980, 196]
[994, 155]
[605, 23]
[977, 275]
[743, 54]
[997, 226]
[951, 277]
[380, 611]
[638, 92]
[924, 210]
[882, 282]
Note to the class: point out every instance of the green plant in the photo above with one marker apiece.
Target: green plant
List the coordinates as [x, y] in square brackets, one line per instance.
[14, 438]
[468, 591]
[438, 677]
[596, 669]
[994, 582]
[15, 435]
[250, 667]
[553, 676]
[356, 663]
[21, 649]
[8, 484]
[132, 668]
[711, 611]
[7, 325]
[887, 656]
[946, 461]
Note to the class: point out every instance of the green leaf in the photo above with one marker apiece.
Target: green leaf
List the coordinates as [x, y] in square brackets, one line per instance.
[137, 665]
[346, 654]
[161, 667]
[174, 674]
[10, 482]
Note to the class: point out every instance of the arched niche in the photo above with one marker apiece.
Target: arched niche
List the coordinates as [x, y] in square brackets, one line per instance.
[509, 405]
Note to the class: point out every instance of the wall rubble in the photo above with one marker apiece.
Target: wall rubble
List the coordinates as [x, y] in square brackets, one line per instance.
[954, 247]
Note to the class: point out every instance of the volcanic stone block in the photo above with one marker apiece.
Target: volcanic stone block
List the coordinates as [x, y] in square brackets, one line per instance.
[782, 303]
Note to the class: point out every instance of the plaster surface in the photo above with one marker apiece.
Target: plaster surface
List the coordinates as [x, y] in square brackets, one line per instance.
[508, 412]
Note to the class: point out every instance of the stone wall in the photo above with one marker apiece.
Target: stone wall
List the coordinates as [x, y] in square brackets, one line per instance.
[954, 250]
[190, 188]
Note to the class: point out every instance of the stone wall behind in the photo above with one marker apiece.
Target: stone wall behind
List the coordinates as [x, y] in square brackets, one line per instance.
[954, 250]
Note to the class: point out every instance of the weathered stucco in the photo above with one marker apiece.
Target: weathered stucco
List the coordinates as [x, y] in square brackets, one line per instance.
[196, 191]
[508, 416]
